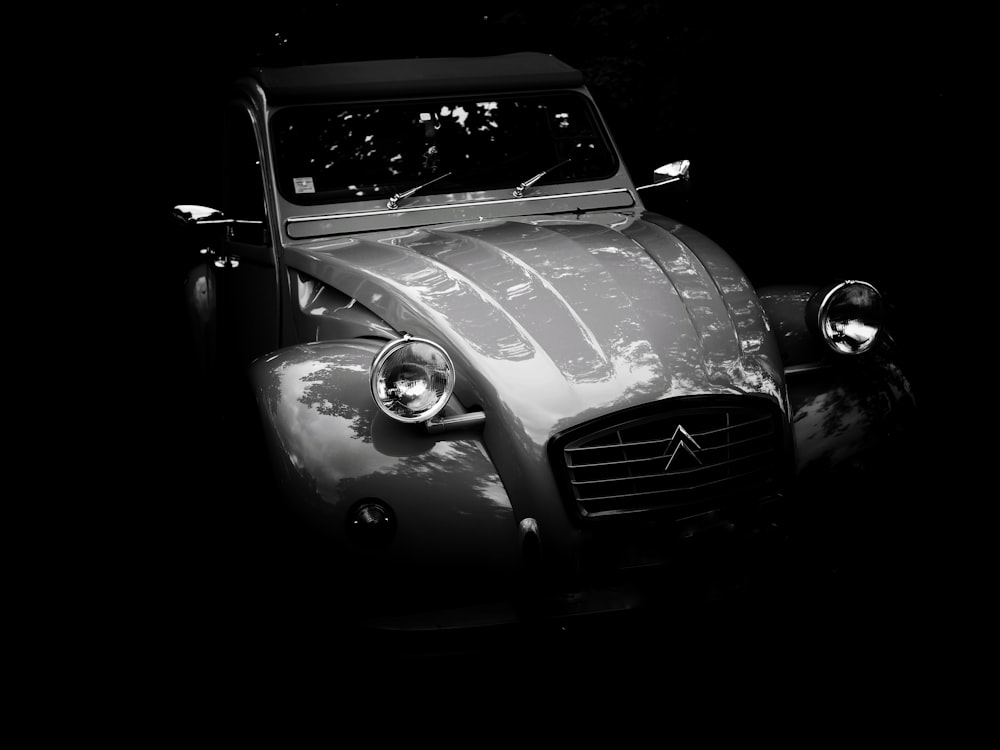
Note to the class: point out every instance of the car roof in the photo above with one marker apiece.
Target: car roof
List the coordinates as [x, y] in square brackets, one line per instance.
[417, 76]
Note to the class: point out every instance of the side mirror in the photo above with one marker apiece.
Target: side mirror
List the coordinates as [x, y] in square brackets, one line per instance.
[674, 172]
[200, 215]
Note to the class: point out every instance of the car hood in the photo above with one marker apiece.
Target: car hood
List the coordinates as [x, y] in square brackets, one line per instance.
[555, 321]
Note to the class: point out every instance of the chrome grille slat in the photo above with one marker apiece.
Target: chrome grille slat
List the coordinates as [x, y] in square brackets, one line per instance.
[727, 446]
[678, 489]
[713, 449]
[661, 441]
[683, 472]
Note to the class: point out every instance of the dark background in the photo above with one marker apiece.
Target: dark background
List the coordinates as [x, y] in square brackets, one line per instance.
[815, 138]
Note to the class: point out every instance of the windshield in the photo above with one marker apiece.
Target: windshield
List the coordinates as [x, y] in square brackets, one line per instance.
[366, 151]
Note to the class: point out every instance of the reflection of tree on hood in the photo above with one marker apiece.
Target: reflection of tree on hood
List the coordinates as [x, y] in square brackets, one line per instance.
[446, 458]
[325, 392]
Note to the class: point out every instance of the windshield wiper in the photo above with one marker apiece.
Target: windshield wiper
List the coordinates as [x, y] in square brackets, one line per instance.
[519, 190]
[394, 200]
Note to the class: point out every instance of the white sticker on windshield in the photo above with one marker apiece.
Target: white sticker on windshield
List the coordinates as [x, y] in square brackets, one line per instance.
[303, 185]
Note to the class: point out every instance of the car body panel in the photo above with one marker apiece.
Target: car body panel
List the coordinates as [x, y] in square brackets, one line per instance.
[843, 416]
[785, 307]
[579, 308]
[334, 448]
[420, 77]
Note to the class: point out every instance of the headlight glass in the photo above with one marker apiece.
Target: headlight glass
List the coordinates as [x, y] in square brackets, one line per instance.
[412, 379]
[850, 317]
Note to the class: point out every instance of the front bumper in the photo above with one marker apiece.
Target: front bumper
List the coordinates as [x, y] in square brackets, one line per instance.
[832, 539]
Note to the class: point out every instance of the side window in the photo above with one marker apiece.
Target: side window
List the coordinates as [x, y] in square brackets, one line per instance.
[244, 182]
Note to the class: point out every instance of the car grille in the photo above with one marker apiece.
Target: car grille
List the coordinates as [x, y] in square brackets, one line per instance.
[672, 459]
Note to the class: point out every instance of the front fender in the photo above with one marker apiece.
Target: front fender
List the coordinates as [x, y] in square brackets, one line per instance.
[785, 308]
[851, 415]
[333, 448]
[844, 410]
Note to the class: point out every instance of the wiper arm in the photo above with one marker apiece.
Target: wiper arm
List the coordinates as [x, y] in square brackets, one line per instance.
[394, 200]
[519, 190]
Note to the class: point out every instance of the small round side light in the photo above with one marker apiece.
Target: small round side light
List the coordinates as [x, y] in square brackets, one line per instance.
[371, 521]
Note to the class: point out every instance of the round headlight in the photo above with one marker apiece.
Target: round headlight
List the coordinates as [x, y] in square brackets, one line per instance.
[850, 317]
[412, 379]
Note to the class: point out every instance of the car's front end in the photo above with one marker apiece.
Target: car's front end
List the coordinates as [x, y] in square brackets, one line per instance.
[609, 391]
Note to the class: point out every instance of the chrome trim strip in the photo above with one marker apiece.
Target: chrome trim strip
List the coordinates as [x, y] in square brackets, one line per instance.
[414, 209]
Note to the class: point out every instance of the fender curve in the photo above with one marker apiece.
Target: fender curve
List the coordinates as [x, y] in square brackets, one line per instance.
[332, 448]
[843, 409]
[785, 307]
[850, 412]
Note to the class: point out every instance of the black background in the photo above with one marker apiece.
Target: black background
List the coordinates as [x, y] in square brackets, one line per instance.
[816, 138]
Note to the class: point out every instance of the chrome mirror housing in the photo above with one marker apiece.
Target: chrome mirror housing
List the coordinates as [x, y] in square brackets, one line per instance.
[190, 214]
[675, 171]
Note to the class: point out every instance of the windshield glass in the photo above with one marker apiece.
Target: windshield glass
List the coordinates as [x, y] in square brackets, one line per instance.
[366, 151]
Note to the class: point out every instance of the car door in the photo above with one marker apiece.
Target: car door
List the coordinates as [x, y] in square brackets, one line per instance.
[246, 276]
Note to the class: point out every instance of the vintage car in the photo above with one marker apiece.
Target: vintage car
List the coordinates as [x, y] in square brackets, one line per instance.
[497, 386]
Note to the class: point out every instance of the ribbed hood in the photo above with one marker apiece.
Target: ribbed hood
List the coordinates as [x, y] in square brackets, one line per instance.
[553, 321]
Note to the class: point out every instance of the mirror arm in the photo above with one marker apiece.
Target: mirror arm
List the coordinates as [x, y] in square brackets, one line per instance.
[198, 215]
[664, 182]
[669, 173]
[200, 222]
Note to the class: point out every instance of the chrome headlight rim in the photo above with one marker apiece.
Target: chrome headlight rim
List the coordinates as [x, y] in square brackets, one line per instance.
[374, 374]
[822, 316]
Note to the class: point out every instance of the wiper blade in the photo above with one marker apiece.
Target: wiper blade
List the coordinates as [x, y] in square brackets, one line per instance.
[394, 200]
[519, 190]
